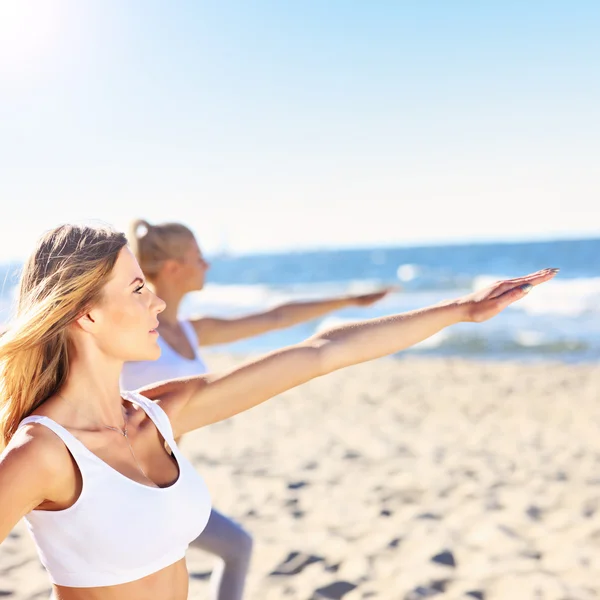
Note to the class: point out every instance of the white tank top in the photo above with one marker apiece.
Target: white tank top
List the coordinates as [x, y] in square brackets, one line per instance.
[169, 365]
[118, 530]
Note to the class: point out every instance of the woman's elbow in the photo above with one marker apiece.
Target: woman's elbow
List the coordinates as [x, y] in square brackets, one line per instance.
[326, 355]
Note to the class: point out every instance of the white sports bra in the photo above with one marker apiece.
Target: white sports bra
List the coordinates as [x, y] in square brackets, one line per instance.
[169, 365]
[118, 530]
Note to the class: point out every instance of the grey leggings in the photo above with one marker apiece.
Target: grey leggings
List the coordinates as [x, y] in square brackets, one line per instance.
[233, 545]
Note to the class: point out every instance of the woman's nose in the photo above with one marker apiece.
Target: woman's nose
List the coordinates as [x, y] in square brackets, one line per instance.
[160, 304]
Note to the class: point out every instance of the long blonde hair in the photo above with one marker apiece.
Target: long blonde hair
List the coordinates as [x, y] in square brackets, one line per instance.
[153, 244]
[63, 278]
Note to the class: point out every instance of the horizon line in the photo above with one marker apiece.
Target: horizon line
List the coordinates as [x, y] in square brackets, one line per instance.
[416, 244]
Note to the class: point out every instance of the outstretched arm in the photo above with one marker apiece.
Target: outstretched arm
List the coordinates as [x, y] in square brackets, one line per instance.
[213, 330]
[198, 401]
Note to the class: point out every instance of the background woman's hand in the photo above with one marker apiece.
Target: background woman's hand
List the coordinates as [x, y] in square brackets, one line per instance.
[488, 302]
[372, 297]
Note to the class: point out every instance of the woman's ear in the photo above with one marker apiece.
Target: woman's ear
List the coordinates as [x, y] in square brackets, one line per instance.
[170, 267]
[86, 322]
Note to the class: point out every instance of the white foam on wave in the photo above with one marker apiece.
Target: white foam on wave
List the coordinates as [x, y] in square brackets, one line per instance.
[570, 297]
[407, 272]
[221, 299]
[539, 324]
[530, 339]
[233, 295]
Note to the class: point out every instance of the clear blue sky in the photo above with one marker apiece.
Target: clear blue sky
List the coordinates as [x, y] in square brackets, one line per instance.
[300, 124]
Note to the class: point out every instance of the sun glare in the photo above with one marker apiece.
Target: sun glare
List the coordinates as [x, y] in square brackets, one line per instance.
[28, 31]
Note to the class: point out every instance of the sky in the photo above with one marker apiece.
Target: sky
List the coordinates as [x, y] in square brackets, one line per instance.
[271, 125]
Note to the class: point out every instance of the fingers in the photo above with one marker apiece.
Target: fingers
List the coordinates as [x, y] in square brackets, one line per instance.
[539, 275]
[512, 295]
[533, 279]
[543, 274]
[380, 293]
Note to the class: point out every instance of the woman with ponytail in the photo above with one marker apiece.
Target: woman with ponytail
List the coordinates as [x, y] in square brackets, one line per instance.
[173, 264]
[109, 499]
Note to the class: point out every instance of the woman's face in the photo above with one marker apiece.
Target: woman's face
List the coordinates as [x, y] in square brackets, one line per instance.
[124, 322]
[193, 267]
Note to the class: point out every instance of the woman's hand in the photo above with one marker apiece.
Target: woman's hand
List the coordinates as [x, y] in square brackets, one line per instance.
[372, 297]
[485, 304]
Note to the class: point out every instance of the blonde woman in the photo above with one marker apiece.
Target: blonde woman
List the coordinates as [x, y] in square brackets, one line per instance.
[173, 265]
[111, 502]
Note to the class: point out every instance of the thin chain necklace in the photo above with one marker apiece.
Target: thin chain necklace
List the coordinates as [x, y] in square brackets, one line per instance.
[122, 432]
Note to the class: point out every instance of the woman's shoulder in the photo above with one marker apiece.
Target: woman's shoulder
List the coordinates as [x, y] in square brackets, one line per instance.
[38, 444]
[157, 409]
[149, 405]
[37, 453]
[35, 467]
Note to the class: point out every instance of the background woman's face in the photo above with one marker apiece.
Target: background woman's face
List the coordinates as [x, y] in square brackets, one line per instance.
[193, 267]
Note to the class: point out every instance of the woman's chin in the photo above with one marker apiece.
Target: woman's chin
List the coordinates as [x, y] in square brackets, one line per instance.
[155, 354]
[151, 353]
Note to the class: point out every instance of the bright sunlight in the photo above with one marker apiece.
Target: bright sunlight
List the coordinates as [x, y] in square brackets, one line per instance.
[28, 30]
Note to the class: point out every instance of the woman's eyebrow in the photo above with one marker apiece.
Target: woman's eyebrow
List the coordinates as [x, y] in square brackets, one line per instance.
[136, 280]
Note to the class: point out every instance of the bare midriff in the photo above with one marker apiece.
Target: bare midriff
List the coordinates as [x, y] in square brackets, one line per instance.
[170, 583]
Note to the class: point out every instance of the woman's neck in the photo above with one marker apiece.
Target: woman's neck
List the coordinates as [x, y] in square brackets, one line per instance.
[92, 388]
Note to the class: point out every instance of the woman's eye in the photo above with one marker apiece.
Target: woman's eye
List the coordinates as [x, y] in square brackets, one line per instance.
[138, 290]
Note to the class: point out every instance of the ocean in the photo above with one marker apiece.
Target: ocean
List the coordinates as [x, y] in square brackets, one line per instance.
[557, 321]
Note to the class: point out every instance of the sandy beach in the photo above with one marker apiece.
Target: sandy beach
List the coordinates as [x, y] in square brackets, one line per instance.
[403, 479]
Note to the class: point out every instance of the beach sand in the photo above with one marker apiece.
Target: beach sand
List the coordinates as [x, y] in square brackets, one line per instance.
[401, 480]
